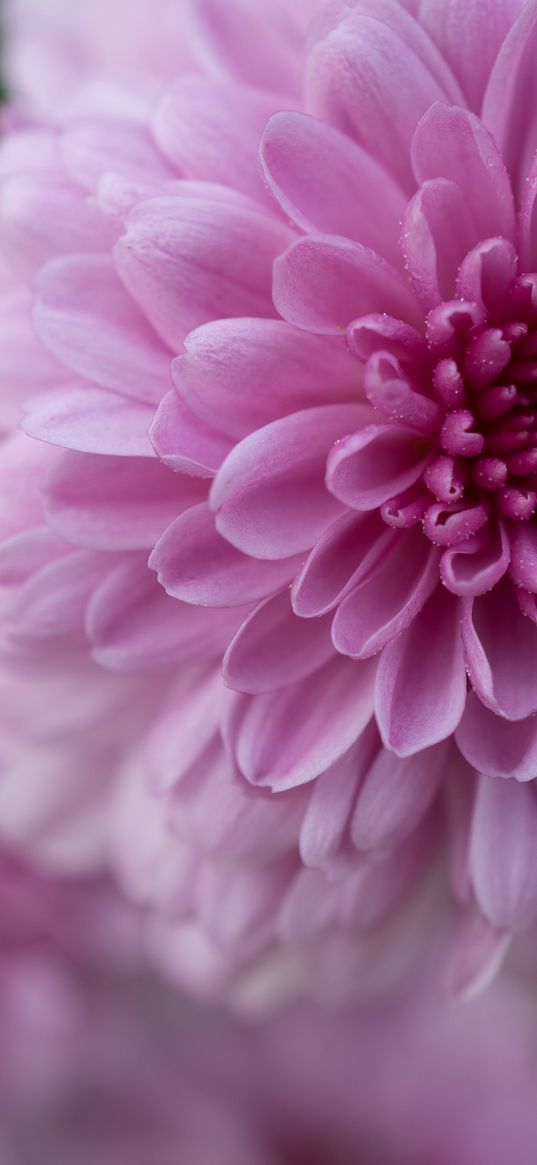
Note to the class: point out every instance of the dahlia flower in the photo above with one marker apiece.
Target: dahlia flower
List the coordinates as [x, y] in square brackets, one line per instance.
[336, 489]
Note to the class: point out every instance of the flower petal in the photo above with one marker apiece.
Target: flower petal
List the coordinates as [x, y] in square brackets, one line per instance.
[326, 183]
[469, 34]
[344, 554]
[452, 143]
[395, 796]
[437, 233]
[375, 464]
[498, 747]
[194, 563]
[248, 372]
[115, 503]
[279, 740]
[475, 566]
[510, 101]
[91, 420]
[322, 284]
[269, 496]
[133, 623]
[503, 853]
[500, 645]
[388, 598]
[374, 78]
[421, 680]
[184, 442]
[330, 803]
[240, 42]
[53, 601]
[211, 130]
[274, 647]
[186, 261]
[84, 316]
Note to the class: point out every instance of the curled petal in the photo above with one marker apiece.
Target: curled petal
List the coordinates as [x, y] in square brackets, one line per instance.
[375, 464]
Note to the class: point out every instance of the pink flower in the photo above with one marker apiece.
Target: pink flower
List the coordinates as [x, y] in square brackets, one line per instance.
[392, 477]
[345, 467]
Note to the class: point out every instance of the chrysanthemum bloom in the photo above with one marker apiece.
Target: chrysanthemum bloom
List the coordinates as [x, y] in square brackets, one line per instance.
[334, 456]
[399, 492]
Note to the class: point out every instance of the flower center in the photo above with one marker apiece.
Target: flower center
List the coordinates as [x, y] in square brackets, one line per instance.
[479, 415]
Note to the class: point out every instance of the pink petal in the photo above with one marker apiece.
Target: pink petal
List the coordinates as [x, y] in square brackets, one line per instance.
[321, 284]
[476, 955]
[454, 144]
[274, 648]
[510, 99]
[498, 747]
[503, 853]
[184, 442]
[486, 275]
[269, 496]
[23, 554]
[330, 803]
[392, 393]
[186, 261]
[475, 566]
[500, 645]
[91, 420]
[377, 887]
[395, 796]
[375, 464]
[236, 41]
[528, 221]
[226, 816]
[178, 741]
[44, 217]
[115, 503]
[308, 909]
[53, 601]
[26, 366]
[388, 598]
[93, 146]
[279, 740]
[211, 130]
[421, 680]
[523, 539]
[437, 232]
[249, 372]
[368, 334]
[374, 80]
[85, 317]
[132, 622]
[193, 562]
[469, 34]
[341, 557]
[459, 792]
[326, 183]
[239, 913]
